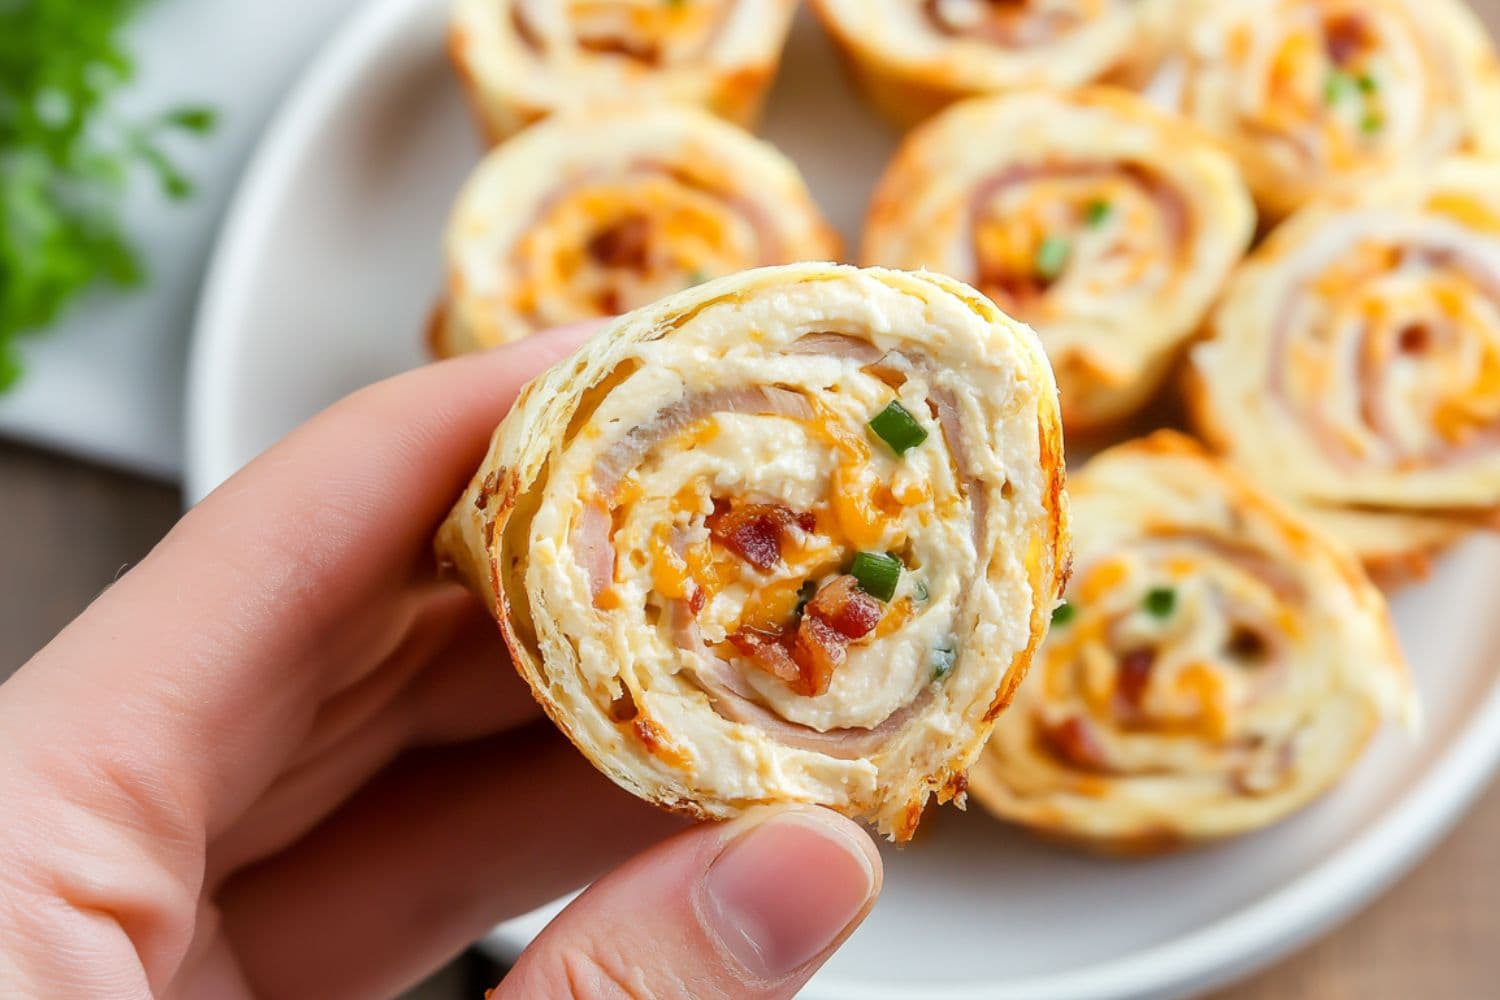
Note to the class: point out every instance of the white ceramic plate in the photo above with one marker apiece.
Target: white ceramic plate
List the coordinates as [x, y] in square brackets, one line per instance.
[322, 283]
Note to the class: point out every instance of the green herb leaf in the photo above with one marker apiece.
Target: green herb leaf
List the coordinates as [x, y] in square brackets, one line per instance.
[898, 428]
[805, 594]
[942, 661]
[67, 158]
[1160, 601]
[198, 119]
[1096, 212]
[1052, 257]
[877, 574]
[1366, 83]
[1337, 86]
[1062, 614]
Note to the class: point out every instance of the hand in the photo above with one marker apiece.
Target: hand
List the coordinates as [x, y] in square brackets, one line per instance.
[282, 758]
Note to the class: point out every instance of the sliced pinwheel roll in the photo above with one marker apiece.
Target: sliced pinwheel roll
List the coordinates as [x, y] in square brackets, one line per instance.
[791, 535]
[912, 57]
[1354, 365]
[1216, 665]
[596, 213]
[524, 59]
[1313, 94]
[1104, 223]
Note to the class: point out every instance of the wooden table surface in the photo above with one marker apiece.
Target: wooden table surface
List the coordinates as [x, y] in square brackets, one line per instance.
[68, 529]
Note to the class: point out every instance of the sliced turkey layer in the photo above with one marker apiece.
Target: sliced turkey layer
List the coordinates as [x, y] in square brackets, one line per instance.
[1374, 407]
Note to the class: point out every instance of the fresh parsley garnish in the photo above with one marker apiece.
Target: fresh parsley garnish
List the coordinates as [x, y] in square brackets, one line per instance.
[67, 157]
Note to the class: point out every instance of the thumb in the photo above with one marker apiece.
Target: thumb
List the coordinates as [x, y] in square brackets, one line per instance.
[745, 909]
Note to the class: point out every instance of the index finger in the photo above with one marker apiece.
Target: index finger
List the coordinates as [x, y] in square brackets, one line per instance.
[206, 663]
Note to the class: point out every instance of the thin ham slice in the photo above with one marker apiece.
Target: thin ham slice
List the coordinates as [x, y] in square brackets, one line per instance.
[592, 530]
[735, 701]
[632, 449]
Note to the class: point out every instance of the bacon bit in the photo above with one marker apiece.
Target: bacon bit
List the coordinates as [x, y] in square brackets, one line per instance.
[624, 244]
[1074, 739]
[1415, 338]
[819, 650]
[768, 651]
[657, 743]
[1344, 37]
[696, 600]
[1133, 677]
[847, 609]
[642, 51]
[487, 489]
[755, 531]
[839, 614]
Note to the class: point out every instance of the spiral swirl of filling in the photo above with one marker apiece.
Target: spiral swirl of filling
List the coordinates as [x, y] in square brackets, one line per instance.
[596, 214]
[790, 536]
[1214, 667]
[524, 59]
[1103, 223]
[911, 57]
[1309, 93]
[1355, 360]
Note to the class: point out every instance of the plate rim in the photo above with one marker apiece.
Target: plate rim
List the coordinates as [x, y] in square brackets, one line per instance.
[1229, 948]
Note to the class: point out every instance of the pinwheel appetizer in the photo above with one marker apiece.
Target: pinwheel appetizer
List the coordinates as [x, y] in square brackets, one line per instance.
[1354, 365]
[596, 213]
[521, 60]
[1215, 666]
[791, 535]
[1312, 95]
[912, 57]
[1104, 223]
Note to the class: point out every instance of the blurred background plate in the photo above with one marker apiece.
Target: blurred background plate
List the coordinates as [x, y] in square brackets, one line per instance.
[322, 282]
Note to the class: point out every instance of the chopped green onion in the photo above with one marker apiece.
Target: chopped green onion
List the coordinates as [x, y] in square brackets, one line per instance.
[1337, 86]
[1160, 601]
[1096, 212]
[1371, 123]
[942, 661]
[898, 428]
[1063, 613]
[876, 573]
[805, 593]
[919, 590]
[1052, 256]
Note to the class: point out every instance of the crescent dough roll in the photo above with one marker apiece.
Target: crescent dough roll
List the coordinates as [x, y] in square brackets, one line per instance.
[1354, 365]
[1104, 223]
[1215, 667]
[521, 60]
[596, 213]
[911, 57]
[1313, 94]
[791, 535]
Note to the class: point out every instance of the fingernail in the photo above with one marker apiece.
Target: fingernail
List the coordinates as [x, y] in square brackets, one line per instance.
[786, 889]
